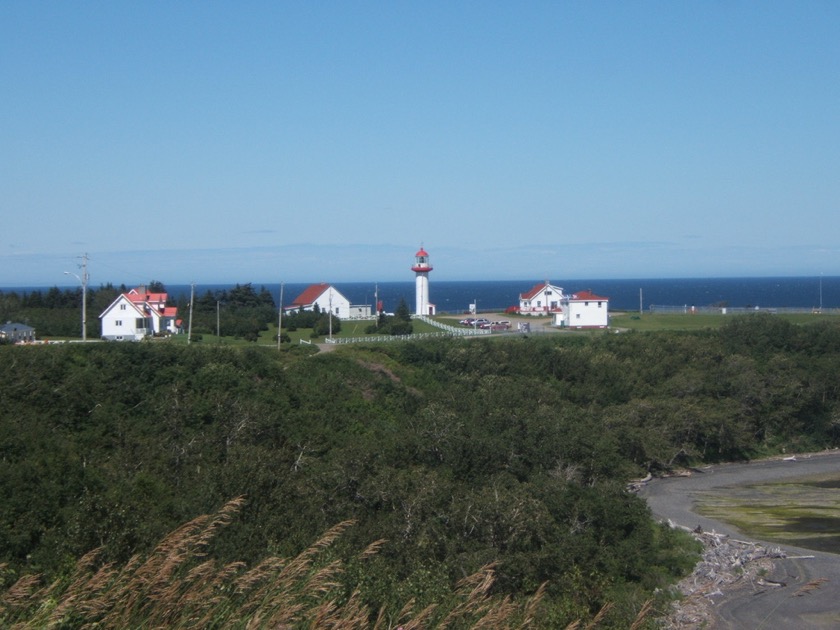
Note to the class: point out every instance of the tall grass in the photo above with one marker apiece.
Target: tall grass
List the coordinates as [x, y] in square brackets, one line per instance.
[177, 586]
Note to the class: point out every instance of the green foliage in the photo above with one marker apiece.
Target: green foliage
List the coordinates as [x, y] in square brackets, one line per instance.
[325, 325]
[402, 313]
[57, 313]
[459, 453]
[176, 586]
[240, 312]
[390, 326]
[397, 324]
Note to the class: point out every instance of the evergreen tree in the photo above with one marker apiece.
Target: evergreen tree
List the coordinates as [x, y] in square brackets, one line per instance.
[402, 313]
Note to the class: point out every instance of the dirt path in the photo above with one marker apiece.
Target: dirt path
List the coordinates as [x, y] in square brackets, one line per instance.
[792, 592]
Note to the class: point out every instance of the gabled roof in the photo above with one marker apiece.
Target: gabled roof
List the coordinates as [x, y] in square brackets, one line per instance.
[9, 327]
[310, 294]
[139, 294]
[587, 296]
[122, 297]
[537, 290]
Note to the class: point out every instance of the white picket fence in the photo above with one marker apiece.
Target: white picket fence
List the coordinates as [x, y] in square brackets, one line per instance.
[446, 331]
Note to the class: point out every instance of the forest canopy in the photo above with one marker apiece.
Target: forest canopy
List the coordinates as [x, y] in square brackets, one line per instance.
[458, 453]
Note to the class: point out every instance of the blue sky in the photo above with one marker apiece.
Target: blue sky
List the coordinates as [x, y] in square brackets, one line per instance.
[326, 141]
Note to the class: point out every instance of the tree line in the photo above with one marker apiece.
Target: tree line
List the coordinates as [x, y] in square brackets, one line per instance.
[242, 312]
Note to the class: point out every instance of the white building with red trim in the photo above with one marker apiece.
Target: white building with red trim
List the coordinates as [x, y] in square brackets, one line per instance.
[542, 299]
[583, 309]
[421, 268]
[328, 299]
[137, 314]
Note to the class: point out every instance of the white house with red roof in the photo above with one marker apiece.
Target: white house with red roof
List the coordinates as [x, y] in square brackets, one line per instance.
[137, 314]
[542, 299]
[583, 309]
[328, 299]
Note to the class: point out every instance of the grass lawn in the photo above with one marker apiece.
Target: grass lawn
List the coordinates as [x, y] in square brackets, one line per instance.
[349, 328]
[618, 321]
[697, 321]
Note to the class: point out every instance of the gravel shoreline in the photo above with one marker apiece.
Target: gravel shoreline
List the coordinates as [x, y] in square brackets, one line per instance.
[743, 583]
[727, 566]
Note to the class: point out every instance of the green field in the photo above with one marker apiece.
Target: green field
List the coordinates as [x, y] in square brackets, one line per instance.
[698, 321]
[619, 321]
[349, 328]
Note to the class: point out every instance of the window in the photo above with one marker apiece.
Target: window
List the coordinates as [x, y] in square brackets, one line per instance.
[577, 316]
[118, 322]
[122, 307]
[140, 323]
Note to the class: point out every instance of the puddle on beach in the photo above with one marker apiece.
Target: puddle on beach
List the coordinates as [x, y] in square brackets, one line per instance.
[804, 512]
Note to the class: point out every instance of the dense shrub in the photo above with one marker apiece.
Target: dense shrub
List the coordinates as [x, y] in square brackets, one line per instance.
[459, 453]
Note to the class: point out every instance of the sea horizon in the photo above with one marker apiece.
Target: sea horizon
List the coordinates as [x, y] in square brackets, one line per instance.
[456, 296]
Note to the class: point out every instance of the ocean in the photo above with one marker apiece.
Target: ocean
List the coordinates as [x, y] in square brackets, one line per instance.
[492, 295]
[624, 295]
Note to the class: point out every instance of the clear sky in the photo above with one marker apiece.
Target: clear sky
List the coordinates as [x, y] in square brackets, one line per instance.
[326, 141]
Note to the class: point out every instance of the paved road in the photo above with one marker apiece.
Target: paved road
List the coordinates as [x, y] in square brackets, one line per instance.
[767, 608]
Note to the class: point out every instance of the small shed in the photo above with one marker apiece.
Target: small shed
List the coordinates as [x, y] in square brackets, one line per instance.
[13, 332]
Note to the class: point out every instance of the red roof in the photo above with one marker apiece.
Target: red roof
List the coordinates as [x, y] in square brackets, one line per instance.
[140, 295]
[310, 294]
[588, 296]
[529, 294]
[534, 291]
[422, 252]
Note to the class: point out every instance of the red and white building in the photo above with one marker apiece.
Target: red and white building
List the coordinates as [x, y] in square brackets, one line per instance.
[329, 300]
[137, 314]
[583, 309]
[422, 267]
[543, 299]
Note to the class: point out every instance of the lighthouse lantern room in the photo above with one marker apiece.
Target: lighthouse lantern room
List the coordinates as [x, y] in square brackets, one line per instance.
[421, 268]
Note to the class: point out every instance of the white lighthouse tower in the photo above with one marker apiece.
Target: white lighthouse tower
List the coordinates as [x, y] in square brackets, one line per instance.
[422, 267]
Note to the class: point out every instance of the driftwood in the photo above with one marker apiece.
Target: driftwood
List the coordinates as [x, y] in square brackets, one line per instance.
[726, 564]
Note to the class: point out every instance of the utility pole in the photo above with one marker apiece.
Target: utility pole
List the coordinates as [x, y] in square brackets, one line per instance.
[821, 292]
[330, 314]
[189, 327]
[83, 279]
[475, 319]
[280, 317]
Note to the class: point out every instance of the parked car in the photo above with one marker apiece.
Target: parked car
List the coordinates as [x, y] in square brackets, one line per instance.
[467, 322]
[481, 322]
[502, 325]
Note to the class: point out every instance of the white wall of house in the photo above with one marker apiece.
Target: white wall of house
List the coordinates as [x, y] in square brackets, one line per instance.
[123, 321]
[584, 313]
[542, 302]
[332, 300]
